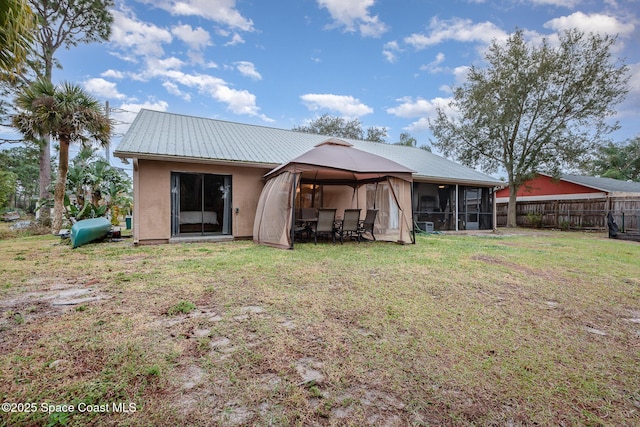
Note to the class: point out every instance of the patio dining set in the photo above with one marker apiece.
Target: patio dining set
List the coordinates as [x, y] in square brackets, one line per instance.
[323, 222]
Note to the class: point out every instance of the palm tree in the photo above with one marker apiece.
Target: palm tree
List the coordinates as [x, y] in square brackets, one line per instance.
[69, 115]
[17, 27]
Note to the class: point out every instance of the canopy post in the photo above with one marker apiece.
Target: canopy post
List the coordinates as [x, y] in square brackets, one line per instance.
[292, 230]
[353, 196]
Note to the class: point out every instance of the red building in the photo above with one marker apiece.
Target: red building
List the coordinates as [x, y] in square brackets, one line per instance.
[573, 201]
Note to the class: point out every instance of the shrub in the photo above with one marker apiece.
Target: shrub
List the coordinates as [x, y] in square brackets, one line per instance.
[535, 219]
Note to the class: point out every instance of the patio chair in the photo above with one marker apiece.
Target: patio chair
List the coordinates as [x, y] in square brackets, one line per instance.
[325, 224]
[350, 225]
[302, 224]
[308, 213]
[367, 224]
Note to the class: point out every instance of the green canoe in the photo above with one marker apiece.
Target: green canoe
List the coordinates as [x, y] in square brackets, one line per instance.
[88, 230]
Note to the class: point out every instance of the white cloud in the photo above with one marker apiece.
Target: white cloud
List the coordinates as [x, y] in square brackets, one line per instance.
[353, 15]
[170, 63]
[433, 67]
[348, 106]
[460, 73]
[142, 38]
[458, 29]
[125, 113]
[159, 67]
[420, 108]
[630, 107]
[389, 56]
[103, 88]
[219, 11]
[559, 3]
[389, 51]
[196, 39]
[420, 125]
[135, 108]
[248, 69]
[173, 89]
[237, 101]
[235, 39]
[595, 22]
[372, 27]
[408, 108]
[114, 74]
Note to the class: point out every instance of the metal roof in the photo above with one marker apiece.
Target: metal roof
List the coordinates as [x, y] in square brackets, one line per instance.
[608, 185]
[161, 135]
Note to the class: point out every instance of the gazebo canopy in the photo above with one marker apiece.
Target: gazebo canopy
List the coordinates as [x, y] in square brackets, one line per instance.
[333, 162]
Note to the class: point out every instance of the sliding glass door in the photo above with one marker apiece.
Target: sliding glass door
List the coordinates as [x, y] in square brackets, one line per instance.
[200, 204]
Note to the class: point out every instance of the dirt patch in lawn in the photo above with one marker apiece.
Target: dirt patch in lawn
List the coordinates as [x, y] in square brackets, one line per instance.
[50, 300]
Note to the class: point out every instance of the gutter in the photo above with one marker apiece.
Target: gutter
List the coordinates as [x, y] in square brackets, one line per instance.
[182, 159]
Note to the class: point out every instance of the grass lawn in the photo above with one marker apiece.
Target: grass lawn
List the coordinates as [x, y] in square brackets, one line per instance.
[515, 328]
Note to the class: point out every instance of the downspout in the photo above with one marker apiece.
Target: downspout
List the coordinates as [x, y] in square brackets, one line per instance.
[136, 201]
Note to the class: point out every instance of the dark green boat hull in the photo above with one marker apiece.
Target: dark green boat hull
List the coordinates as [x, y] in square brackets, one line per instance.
[88, 230]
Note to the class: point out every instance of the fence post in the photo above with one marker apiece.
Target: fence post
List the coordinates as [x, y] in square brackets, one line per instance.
[623, 222]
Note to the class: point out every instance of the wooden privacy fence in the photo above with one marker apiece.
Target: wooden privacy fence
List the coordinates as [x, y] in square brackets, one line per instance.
[582, 214]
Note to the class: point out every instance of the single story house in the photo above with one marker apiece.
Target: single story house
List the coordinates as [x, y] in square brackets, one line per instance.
[574, 201]
[199, 178]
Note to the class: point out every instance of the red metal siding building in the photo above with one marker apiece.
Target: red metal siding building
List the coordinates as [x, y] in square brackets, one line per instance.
[573, 201]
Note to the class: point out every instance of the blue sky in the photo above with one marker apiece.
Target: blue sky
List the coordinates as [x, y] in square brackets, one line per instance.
[281, 63]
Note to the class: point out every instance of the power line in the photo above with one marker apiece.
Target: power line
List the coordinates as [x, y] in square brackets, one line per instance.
[122, 110]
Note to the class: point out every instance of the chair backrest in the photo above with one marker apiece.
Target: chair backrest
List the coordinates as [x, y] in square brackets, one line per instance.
[371, 217]
[326, 219]
[351, 219]
[308, 213]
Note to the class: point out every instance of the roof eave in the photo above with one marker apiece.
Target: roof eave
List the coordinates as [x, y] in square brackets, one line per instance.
[455, 181]
[187, 159]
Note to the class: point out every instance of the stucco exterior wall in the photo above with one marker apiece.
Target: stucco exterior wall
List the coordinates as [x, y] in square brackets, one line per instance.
[152, 200]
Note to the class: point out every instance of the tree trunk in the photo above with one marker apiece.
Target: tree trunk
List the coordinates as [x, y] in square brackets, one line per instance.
[45, 149]
[58, 195]
[511, 208]
[44, 213]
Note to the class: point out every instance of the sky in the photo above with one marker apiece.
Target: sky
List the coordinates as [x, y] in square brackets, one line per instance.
[283, 63]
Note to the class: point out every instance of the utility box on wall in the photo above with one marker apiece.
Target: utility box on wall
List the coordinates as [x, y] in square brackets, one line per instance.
[425, 226]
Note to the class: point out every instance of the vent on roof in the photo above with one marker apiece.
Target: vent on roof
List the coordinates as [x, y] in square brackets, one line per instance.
[335, 141]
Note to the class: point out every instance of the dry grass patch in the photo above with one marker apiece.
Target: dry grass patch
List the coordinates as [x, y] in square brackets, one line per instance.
[537, 328]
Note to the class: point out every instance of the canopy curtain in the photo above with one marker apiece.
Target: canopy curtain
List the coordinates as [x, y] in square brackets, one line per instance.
[402, 197]
[392, 198]
[273, 221]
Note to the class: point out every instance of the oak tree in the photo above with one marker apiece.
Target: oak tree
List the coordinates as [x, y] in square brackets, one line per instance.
[533, 107]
